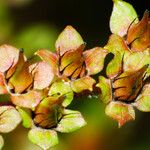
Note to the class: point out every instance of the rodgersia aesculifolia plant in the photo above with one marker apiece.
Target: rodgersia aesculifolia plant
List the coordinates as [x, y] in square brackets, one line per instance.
[42, 87]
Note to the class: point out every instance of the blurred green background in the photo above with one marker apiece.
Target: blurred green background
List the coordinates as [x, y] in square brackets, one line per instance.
[35, 24]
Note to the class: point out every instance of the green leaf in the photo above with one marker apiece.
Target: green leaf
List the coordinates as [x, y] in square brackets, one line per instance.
[68, 40]
[122, 16]
[82, 84]
[1, 142]
[62, 88]
[9, 118]
[94, 60]
[143, 100]
[120, 112]
[43, 138]
[71, 121]
[106, 89]
[26, 117]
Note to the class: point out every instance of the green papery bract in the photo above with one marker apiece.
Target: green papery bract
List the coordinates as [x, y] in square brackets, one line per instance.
[43, 138]
[9, 119]
[68, 40]
[117, 46]
[122, 16]
[61, 87]
[106, 90]
[120, 112]
[71, 121]
[143, 100]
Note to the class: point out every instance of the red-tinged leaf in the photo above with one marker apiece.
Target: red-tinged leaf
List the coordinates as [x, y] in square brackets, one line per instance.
[138, 34]
[120, 112]
[9, 119]
[143, 100]
[106, 89]
[94, 60]
[22, 78]
[68, 40]
[135, 61]
[8, 56]
[3, 89]
[28, 100]
[118, 47]
[43, 75]
[128, 84]
[122, 16]
[70, 57]
[50, 58]
[82, 84]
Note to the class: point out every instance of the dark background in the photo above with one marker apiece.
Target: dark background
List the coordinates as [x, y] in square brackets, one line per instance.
[89, 17]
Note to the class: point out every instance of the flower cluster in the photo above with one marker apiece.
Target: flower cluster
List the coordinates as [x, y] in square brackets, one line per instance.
[41, 88]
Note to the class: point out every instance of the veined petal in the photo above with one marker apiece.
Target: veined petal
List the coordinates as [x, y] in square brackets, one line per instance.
[68, 40]
[120, 112]
[94, 60]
